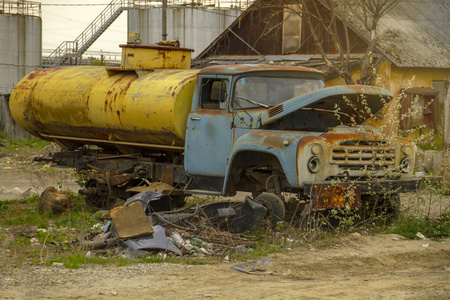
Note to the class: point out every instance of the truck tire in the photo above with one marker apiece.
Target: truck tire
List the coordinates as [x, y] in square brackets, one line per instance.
[275, 207]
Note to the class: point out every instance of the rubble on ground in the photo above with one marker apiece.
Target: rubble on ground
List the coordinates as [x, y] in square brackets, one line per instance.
[143, 227]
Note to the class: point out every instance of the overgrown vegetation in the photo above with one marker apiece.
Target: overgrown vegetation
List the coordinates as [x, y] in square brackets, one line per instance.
[435, 143]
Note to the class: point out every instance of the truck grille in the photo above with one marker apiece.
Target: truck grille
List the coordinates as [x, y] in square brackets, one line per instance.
[359, 155]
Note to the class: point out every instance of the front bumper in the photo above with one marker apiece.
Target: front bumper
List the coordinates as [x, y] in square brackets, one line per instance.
[404, 185]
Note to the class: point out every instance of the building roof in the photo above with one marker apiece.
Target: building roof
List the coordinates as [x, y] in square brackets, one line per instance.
[415, 34]
[247, 68]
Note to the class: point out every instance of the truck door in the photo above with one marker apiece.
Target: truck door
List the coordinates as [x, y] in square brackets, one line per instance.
[209, 135]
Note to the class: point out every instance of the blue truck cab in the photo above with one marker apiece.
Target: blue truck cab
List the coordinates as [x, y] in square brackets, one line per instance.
[276, 131]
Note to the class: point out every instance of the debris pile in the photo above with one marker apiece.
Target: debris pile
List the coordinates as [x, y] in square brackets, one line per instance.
[146, 224]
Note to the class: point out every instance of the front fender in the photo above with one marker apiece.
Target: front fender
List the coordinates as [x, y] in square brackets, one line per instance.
[270, 142]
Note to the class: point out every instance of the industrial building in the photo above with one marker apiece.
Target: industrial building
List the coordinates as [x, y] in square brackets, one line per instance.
[20, 52]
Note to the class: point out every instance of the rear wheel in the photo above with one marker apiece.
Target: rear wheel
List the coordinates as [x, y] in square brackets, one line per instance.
[97, 192]
[275, 207]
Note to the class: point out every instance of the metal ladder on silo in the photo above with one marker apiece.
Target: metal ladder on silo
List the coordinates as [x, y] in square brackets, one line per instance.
[74, 49]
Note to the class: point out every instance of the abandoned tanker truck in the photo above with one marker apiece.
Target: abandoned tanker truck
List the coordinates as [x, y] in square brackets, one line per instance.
[156, 124]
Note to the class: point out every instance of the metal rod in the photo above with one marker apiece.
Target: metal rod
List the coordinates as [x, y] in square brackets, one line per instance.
[164, 20]
[152, 146]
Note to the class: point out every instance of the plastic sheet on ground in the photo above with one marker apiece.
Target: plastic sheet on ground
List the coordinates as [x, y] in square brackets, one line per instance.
[157, 240]
[256, 267]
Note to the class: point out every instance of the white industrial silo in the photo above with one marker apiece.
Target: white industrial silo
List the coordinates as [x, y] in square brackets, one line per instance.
[20, 52]
[194, 26]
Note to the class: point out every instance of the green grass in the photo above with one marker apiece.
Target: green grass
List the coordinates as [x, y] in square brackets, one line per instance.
[24, 212]
[21, 144]
[258, 250]
[431, 228]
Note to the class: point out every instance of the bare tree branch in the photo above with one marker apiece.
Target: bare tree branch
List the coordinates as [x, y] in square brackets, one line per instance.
[328, 23]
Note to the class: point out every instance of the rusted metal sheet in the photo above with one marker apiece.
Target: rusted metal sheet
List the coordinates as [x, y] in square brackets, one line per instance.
[167, 174]
[330, 196]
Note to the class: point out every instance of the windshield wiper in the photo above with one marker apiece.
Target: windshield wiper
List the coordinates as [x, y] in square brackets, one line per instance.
[252, 101]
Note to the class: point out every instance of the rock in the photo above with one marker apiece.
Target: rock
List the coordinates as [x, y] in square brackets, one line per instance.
[421, 236]
[57, 264]
[433, 161]
[16, 191]
[419, 165]
[54, 200]
[34, 241]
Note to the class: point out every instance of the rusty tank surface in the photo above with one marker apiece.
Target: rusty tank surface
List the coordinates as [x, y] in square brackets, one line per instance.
[144, 103]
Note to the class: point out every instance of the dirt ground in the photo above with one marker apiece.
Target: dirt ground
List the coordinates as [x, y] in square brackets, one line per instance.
[356, 267]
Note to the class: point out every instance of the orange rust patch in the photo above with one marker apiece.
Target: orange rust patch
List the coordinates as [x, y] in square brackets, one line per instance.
[327, 196]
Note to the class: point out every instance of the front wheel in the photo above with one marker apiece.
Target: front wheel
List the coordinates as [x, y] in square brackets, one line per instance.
[275, 207]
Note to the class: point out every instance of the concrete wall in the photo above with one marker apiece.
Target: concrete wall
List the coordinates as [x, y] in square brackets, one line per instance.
[195, 27]
[7, 124]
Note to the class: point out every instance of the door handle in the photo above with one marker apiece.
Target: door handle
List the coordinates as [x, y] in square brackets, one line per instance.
[195, 118]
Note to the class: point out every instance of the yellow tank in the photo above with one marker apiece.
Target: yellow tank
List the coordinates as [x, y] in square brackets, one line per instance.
[96, 105]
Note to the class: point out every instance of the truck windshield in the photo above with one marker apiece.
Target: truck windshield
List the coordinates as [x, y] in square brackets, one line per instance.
[254, 91]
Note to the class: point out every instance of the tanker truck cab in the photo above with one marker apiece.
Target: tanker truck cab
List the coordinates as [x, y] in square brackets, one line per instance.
[271, 130]
[227, 103]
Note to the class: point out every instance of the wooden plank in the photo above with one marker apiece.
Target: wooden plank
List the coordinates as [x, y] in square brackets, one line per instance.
[130, 221]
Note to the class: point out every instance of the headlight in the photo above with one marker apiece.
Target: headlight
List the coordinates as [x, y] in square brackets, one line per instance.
[406, 165]
[315, 149]
[314, 164]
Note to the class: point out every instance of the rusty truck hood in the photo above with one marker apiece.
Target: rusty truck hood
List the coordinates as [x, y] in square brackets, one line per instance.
[358, 101]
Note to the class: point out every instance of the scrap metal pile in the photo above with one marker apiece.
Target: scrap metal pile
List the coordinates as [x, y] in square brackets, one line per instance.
[146, 223]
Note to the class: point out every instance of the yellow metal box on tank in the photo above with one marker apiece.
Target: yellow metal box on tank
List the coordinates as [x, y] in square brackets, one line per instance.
[133, 105]
[138, 56]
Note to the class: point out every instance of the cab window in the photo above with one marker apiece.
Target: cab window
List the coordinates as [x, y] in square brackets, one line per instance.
[214, 93]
